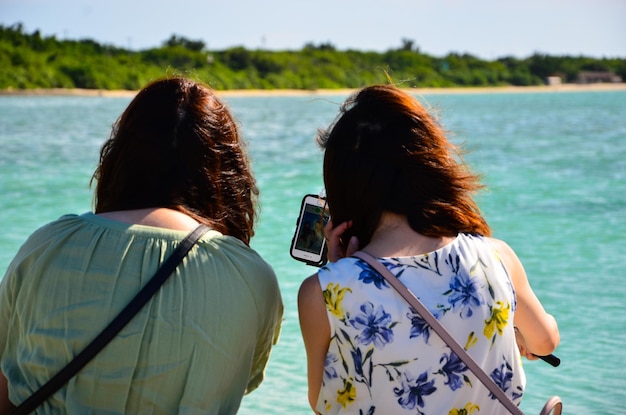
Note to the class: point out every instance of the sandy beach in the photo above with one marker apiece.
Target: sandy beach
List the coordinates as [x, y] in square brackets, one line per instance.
[320, 92]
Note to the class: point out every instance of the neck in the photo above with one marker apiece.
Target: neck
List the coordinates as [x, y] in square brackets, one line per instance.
[394, 237]
[157, 217]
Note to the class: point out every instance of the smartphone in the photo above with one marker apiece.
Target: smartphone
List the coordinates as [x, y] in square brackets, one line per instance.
[308, 244]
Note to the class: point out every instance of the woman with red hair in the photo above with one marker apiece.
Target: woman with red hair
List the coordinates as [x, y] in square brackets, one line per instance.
[175, 159]
[397, 189]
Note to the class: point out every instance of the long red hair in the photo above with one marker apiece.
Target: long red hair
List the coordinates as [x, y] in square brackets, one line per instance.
[178, 146]
[386, 152]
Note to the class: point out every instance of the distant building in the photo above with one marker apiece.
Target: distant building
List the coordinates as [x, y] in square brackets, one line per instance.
[553, 80]
[595, 77]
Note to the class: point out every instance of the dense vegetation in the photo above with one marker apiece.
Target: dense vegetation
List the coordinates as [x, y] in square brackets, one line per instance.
[33, 61]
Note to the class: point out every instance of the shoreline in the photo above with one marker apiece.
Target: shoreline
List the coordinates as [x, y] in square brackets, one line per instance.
[599, 87]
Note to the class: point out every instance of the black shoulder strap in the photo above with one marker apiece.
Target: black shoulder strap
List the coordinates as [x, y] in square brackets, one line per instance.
[110, 331]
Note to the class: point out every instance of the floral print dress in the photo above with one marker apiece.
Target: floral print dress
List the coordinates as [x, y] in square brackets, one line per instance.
[384, 359]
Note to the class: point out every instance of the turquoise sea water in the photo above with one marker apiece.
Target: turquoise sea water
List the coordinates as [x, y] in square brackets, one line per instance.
[555, 164]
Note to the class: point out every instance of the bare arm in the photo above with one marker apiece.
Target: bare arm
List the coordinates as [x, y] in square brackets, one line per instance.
[315, 333]
[5, 405]
[538, 332]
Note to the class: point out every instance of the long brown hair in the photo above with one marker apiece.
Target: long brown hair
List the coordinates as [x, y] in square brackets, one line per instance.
[178, 146]
[385, 152]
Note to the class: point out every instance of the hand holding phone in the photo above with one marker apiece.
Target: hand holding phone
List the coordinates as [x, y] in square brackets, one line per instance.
[336, 245]
[308, 244]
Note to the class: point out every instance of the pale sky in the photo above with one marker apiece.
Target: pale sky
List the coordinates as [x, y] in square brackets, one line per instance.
[488, 29]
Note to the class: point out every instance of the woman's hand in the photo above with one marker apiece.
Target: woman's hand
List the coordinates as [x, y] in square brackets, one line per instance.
[521, 345]
[336, 250]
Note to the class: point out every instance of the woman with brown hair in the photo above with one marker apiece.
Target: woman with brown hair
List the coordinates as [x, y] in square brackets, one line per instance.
[175, 159]
[397, 189]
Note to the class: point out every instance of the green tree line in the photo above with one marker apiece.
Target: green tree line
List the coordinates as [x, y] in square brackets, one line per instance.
[30, 60]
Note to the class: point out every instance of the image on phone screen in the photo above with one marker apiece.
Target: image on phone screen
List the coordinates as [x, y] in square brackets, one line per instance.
[308, 244]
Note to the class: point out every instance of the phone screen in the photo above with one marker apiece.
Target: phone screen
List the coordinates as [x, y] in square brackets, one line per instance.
[308, 244]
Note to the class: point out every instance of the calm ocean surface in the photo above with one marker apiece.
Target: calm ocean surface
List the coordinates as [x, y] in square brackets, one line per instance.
[555, 164]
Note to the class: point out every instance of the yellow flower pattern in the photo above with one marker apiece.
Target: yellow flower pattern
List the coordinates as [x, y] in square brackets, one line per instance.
[333, 297]
[498, 320]
[347, 395]
[471, 341]
[468, 409]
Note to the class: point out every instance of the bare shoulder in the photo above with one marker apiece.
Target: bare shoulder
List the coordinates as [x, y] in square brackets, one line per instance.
[505, 251]
[500, 244]
[309, 289]
[511, 262]
[312, 312]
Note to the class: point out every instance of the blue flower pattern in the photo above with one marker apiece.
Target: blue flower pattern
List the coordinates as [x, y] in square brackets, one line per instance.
[375, 325]
[419, 327]
[329, 371]
[411, 394]
[503, 377]
[464, 294]
[369, 276]
[452, 369]
[373, 330]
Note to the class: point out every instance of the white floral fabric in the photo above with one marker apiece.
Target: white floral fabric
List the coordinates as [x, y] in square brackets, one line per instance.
[384, 359]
